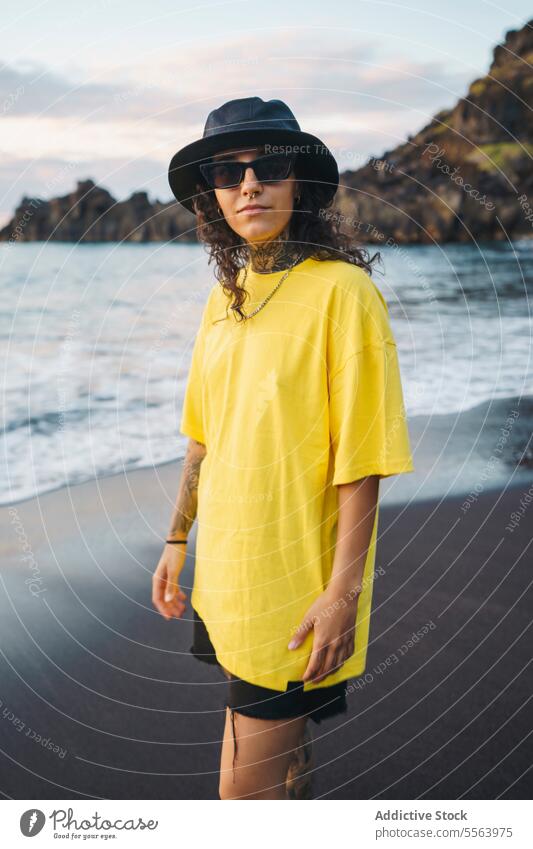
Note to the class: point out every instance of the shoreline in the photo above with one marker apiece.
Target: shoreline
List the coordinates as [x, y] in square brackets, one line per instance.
[494, 486]
[451, 451]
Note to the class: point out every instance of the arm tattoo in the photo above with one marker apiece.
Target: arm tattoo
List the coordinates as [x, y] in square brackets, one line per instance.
[187, 500]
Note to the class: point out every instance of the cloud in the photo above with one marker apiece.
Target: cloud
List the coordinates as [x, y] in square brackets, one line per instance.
[39, 92]
[123, 124]
[325, 76]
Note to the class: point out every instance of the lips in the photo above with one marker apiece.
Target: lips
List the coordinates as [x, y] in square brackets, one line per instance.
[253, 207]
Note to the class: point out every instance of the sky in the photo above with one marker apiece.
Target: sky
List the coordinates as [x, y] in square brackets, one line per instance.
[110, 90]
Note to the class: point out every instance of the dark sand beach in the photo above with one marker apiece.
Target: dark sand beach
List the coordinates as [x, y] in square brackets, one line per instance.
[100, 697]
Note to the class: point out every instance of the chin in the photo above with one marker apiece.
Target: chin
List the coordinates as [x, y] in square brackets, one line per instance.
[257, 230]
[257, 234]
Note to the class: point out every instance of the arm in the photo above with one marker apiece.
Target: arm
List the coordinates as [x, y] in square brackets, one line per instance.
[332, 615]
[167, 596]
[357, 512]
[186, 505]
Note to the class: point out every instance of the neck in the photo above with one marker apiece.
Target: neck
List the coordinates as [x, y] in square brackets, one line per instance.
[277, 255]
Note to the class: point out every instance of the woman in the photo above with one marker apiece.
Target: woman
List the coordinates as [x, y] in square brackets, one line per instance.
[293, 410]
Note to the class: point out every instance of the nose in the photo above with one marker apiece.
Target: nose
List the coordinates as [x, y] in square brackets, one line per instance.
[250, 181]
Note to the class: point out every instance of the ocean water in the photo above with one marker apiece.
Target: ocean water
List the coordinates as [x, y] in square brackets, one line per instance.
[96, 343]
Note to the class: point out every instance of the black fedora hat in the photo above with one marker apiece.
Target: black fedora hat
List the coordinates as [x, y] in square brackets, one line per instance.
[252, 121]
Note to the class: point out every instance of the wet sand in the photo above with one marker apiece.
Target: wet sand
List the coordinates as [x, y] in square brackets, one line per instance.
[100, 697]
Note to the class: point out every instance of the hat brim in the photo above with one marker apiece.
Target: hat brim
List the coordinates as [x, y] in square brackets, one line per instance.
[315, 160]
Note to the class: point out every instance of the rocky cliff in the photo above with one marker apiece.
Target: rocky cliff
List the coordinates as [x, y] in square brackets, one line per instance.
[466, 175]
[91, 214]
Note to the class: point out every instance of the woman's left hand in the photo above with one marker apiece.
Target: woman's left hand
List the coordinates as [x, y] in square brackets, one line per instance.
[331, 618]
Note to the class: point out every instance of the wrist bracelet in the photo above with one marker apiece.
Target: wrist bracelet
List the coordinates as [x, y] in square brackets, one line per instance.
[177, 541]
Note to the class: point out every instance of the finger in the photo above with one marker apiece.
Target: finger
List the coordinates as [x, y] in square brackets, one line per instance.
[327, 666]
[298, 635]
[160, 607]
[315, 664]
[171, 588]
[178, 596]
[301, 633]
[158, 587]
[177, 607]
[177, 614]
[158, 603]
[339, 657]
[171, 611]
[177, 592]
[330, 670]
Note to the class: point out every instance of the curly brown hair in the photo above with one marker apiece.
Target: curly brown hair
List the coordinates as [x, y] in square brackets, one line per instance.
[312, 233]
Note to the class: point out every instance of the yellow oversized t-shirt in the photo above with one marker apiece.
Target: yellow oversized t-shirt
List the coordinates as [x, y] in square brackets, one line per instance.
[300, 398]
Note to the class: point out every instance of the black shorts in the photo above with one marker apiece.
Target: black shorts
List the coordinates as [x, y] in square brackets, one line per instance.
[263, 702]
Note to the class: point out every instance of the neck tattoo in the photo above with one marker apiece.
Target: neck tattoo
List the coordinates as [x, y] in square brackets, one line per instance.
[273, 256]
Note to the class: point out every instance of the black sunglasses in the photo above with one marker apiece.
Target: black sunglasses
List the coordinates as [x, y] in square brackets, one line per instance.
[229, 173]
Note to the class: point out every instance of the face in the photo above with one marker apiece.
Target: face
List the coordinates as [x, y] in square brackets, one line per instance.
[275, 201]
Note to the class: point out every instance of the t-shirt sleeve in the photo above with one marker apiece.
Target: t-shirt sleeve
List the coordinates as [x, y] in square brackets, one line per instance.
[368, 426]
[192, 416]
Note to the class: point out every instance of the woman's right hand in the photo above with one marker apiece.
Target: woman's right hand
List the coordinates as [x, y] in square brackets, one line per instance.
[167, 596]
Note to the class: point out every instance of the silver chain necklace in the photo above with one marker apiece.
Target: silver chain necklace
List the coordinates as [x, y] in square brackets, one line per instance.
[268, 297]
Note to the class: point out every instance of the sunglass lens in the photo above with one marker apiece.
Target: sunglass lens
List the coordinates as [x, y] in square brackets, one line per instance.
[273, 168]
[224, 174]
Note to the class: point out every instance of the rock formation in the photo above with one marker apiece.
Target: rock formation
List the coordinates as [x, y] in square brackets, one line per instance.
[91, 214]
[467, 175]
